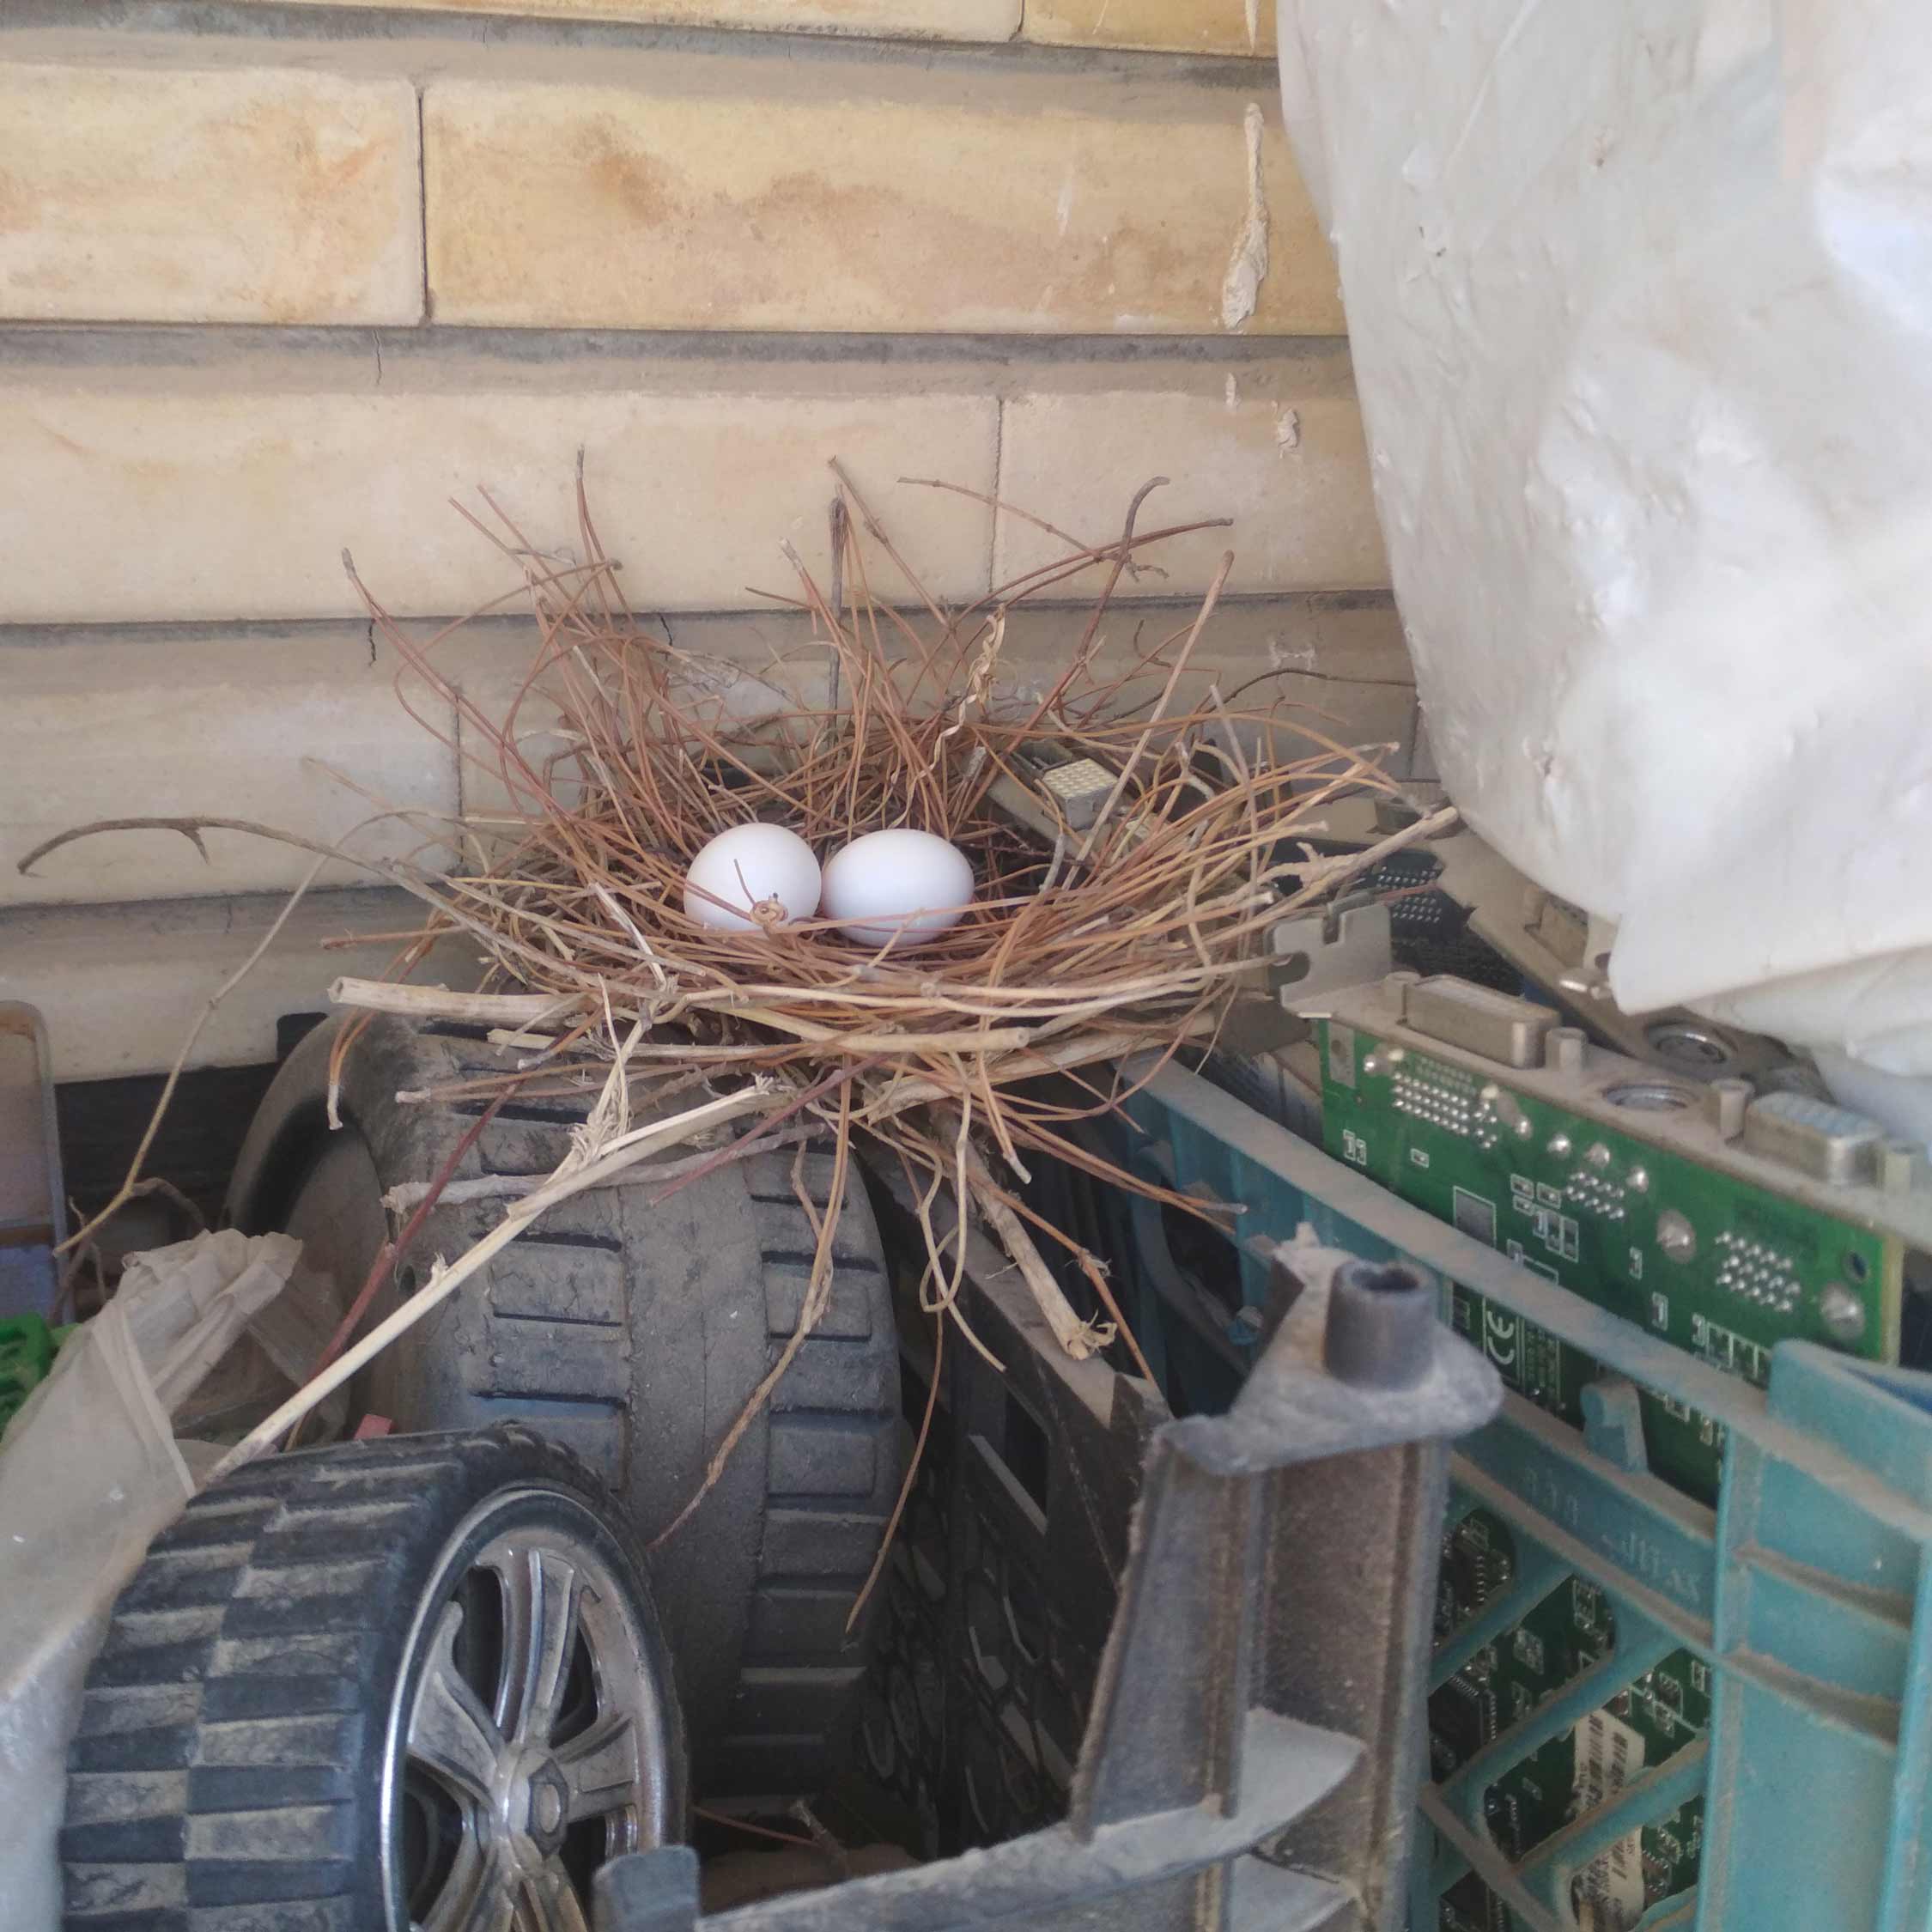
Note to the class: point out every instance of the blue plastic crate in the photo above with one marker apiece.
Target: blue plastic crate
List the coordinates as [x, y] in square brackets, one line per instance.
[1806, 1592]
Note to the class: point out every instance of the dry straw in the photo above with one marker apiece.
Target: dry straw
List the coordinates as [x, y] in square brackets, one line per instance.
[620, 755]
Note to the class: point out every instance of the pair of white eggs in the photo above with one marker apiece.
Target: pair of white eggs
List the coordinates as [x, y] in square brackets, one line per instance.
[901, 886]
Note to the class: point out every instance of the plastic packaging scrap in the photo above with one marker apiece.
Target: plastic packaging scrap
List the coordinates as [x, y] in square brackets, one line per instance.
[89, 1472]
[1640, 305]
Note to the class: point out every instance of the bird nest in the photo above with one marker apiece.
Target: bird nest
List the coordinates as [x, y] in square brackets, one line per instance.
[1098, 939]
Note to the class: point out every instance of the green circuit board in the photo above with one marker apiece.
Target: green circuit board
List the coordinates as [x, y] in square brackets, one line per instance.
[1648, 1721]
[1720, 1268]
[1586, 1206]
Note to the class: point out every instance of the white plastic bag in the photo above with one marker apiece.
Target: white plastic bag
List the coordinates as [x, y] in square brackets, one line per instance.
[1639, 294]
[89, 1471]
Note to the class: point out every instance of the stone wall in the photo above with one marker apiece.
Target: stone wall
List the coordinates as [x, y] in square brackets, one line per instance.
[280, 278]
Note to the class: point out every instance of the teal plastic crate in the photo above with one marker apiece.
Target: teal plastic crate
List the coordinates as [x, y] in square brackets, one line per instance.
[1805, 1594]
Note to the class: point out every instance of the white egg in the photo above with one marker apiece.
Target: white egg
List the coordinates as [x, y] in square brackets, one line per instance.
[745, 867]
[874, 885]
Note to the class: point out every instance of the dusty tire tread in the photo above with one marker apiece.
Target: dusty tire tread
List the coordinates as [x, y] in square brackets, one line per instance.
[218, 1781]
[608, 1317]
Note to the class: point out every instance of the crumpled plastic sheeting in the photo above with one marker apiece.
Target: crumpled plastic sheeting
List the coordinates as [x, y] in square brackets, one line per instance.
[1640, 300]
[89, 1472]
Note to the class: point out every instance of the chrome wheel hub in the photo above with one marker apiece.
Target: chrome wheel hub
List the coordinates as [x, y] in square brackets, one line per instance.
[545, 1795]
[532, 1746]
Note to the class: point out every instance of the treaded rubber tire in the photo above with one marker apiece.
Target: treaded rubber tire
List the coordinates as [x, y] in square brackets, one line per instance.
[634, 1334]
[226, 1775]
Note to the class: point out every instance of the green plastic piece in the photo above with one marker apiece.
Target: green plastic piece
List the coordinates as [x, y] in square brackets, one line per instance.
[27, 1347]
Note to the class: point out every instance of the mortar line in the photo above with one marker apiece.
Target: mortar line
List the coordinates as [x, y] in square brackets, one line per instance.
[1002, 357]
[232, 29]
[138, 633]
[422, 206]
[998, 465]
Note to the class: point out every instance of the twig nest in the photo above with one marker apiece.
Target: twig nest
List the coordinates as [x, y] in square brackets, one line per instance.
[902, 888]
[752, 879]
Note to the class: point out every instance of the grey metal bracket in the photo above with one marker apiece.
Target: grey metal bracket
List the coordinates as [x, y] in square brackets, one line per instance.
[1252, 1753]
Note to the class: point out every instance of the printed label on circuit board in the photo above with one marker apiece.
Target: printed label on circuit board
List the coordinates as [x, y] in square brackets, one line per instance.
[1341, 1053]
[1610, 1891]
[1528, 1357]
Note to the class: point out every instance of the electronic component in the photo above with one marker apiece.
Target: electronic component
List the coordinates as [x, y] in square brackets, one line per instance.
[1496, 1026]
[1826, 1142]
[1624, 1187]
[1054, 790]
[1648, 1721]
[1079, 787]
[1719, 1219]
